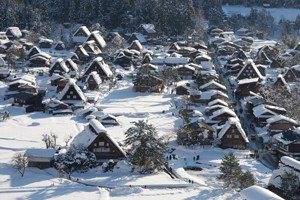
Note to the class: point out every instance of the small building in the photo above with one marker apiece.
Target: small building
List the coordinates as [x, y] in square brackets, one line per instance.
[98, 65]
[96, 139]
[40, 60]
[45, 43]
[213, 85]
[91, 48]
[232, 135]
[249, 71]
[147, 30]
[99, 41]
[185, 72]
[93, 81]
[108, 120]
[81, 35]
[72, 94]
[33, 51]
[82, 54]
[247, 85]
[13, 33]
[40, 158]
[287, 143]
[148, 83]
[59, 46]
[58, 67]
[182, 90]
[136, 45]
[279, 123]
[137, 36]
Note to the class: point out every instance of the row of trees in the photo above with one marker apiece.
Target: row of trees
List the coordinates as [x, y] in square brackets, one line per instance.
[273, 3]
[171, 17]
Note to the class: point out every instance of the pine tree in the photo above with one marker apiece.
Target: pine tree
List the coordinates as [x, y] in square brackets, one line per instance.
[230, 171]
[146, 148]
[289, 184]
[246, 180]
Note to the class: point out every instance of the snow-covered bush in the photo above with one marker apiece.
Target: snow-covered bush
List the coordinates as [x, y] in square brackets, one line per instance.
[75, 159]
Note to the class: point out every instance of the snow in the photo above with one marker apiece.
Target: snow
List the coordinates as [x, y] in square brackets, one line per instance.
[99, 128]
[40, 152]
[256, 192]
[280, 117]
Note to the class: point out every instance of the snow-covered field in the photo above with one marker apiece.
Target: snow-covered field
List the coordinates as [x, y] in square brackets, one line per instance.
[277, 13]
[24, 131]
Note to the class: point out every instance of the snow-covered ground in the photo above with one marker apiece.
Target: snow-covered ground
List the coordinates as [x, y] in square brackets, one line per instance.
[24, 131]
[277, 13]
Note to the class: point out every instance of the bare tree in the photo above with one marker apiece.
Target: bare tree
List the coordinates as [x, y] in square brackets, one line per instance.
[67, 139]
[46, 138]
[20, 162]
[53, 139]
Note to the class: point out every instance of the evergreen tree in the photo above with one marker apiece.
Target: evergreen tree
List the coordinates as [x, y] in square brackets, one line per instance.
[246, 180]
[289, 184]
[146, 148]
[230, 171]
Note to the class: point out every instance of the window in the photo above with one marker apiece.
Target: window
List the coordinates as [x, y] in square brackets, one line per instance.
[71, 92]
[229, 136]
[74, 96]
[68, 96]
[101, 150]
[236, 136]
[101, 144]
[95, 144]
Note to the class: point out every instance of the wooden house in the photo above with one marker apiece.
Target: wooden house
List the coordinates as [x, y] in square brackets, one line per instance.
[91, 48]
[55, 78]
[34, 50]
[209, 110]
[217, 102]
[148, 68]
[148, 83]
[108, 120]
[45, 43]
[174, 47]
[93, 81]
[24, 98]
[54, 106]
[81, 35]
[288, 143]
[261, 114]
[241, 55]
[13, 33]
[148, 30]
[15, 85]
[123, 58]
[72, 94]
[40, 158]
[213, 85]
[222, 114]
[137, 36]
[40, 60]
[96, 139]
[232, 135]
[279, 123]
[82, 54]
[203, 57]
[59, 46]
[98, 65]
[249, 71]
[170, 61]
[136, 45]
[99, 41]
[58, 67]
[182, 90]
[245, 86]
[185, 72]
[207, 96]
[187, 52]
[290, 76]
[262, 58]
[244, 32]
[71, 65]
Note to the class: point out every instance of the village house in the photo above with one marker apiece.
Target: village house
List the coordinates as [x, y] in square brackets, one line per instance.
[108, 120]
[136, 45]
[148, 30]
[249, 71]
[213, 85]
[13, 33]
[40, 60]
[82, 54]
[45, 43]
[72, 94]
[81, 35]
[207, 96]
[34, 50]
[222, 114]
[279, 123]
[247, 85]
[40, 158]
[54, 106]
[287, 143]
[182, 89]
[185, 72]
[137, 36]
[99, 41]
[93, 81]
[58, 67]
[59, 46]
[148, 83]
[232, 135]
[96, 139]
[98, 65]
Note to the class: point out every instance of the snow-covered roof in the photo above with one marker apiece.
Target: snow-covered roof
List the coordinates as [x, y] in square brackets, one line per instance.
[212, 82]
[42, 55]
[99, 39]
[137, 43]
[248, 80]
[97, 126]
[280, 117]
[61, 63]
[71, 83]
[150, 28]
[259, 110]
[141, 38]
[45, 153]
[95, 76]
[15, 31]
[81, 39]
[286, 160]
[45, 40]
[72, 64]
[208, 94]
[102, 65]
[184, 66]
[251, 63]
[2, 61]
[233, 121]
[221, 111]
[256, 192]
[216, 101]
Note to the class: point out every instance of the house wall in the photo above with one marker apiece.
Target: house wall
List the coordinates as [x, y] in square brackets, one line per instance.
[248, 72]
[233, 139]
[71, 94]
[281, 125]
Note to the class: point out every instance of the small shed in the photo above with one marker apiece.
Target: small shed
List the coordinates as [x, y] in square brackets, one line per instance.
[40, 158]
